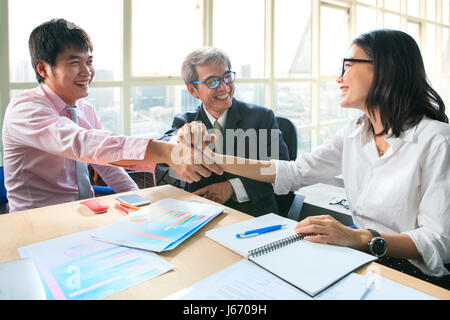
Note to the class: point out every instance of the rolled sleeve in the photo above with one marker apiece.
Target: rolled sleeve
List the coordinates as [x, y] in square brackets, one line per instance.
[286, 176]
[432, 248]
[432, 237]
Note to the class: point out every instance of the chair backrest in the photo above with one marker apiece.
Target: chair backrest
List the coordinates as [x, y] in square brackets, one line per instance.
[3, 198]
[289, 131]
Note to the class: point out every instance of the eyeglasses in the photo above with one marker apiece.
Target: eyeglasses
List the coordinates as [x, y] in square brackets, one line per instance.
[213, 82]
[345, 66]
[341, 201]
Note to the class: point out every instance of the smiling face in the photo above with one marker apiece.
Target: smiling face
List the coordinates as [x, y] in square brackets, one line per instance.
[218, 100]
[356, 82]
[71, 75]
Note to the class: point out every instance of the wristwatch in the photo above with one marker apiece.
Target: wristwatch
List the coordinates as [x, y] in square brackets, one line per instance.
[377, 245]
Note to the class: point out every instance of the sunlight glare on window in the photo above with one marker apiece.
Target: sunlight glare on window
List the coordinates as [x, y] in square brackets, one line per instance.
[239, 31]
[292, 38]
[393, 5]
[164, 32]
[413, 7]
[335, 41]
[103, 26]
[366, 19]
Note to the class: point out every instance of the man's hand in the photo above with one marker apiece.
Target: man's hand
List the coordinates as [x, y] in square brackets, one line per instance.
[191, 164]
[219, 192]
[195, 134]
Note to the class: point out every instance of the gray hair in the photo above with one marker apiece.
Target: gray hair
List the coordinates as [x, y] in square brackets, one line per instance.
[199, 57]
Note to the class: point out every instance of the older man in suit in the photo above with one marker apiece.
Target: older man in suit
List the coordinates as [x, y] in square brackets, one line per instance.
[242, 129]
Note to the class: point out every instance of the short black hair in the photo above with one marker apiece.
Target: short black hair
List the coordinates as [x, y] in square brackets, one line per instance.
[400, 88]
[52, 37]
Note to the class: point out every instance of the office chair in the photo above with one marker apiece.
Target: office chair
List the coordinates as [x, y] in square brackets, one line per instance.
[3, 199]
[290, 205]
[103, 190]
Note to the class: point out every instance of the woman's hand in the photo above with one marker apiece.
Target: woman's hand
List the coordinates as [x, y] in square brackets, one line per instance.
[331, 231]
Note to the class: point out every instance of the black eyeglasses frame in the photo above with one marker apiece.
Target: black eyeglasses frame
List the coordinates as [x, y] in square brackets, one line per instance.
[352, 60]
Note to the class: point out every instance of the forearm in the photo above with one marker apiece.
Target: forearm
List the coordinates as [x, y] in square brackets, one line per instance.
[259, 170]
[156, 152]
[398, 245]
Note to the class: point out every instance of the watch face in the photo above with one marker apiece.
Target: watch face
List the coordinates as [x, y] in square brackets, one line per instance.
[378, 246]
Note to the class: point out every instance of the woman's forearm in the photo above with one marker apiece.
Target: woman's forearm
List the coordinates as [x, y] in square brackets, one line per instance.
[398, 245]
[259, 170]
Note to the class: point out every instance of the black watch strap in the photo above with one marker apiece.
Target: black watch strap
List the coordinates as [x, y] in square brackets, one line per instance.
[377, 245]
[374, 233]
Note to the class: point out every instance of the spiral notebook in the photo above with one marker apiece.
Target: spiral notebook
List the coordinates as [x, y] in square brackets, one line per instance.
[311, 267]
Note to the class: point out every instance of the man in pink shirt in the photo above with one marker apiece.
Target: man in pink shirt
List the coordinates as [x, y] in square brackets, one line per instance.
[43, 146]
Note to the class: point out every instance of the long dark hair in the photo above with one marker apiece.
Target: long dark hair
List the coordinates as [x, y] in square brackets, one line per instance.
[400, 88]
[52, 37]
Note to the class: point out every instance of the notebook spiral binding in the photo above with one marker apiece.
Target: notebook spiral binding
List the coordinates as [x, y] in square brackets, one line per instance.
[276, 245]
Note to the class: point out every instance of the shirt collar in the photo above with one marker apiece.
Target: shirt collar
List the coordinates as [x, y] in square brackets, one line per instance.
[363, 129]
[56, 100]
[364, 133]
[222, 119]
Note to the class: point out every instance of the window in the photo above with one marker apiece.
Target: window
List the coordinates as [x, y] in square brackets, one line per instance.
[413, 7]
[393, 5]
[292, 47]
[334, 38]
[286, 53]
[153, 108]
[239, 30]
[104, 35]
[163, 33]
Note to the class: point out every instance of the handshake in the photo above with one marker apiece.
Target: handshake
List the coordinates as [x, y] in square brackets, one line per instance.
[191, 158]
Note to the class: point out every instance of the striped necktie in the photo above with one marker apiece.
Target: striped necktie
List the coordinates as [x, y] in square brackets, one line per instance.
[84, 185]
[219, 138]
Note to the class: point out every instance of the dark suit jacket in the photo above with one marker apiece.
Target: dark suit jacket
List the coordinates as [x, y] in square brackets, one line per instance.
[243, 116]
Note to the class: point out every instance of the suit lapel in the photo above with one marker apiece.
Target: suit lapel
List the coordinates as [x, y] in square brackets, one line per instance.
[233, 116]
[201, 116]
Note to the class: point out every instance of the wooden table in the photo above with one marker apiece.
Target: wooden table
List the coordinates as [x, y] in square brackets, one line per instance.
[195, 259]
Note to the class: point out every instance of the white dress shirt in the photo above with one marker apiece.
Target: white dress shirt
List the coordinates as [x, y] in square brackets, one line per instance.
[407, 190]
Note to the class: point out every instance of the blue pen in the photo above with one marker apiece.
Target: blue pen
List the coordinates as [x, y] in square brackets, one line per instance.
[252, 233]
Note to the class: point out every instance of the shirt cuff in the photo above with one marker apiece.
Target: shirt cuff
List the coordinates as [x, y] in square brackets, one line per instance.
[173, 139]
[280, 185]
[239, 190]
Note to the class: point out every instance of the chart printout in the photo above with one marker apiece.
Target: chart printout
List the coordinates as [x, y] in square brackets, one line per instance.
[77, 267]
[160, 226]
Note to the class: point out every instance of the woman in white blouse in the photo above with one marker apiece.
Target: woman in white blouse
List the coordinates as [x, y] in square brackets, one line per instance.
[395, 161]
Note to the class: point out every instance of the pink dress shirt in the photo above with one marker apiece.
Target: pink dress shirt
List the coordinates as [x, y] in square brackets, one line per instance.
[40, 142]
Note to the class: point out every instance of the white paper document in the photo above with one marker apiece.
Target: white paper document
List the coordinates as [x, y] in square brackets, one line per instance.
[244, 280]
[311, 267]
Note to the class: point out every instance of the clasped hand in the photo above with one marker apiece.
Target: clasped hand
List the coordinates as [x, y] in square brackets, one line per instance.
[191, 158]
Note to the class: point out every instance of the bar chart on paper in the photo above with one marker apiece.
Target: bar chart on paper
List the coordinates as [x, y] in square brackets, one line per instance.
[164, 229]
[177, 221]
[76, 267]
